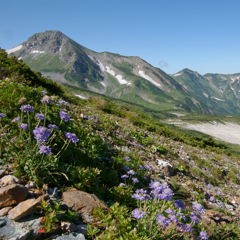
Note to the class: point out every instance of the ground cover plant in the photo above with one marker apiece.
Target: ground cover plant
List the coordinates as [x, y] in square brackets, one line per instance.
[49, 136]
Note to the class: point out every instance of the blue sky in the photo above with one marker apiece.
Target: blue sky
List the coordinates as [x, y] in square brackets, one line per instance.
[202, 35]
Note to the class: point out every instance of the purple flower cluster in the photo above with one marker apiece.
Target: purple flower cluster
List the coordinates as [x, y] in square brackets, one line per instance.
[44, 149]
[24, 126]
[127, 159]
[135, 180]
[161, 191]
[27, 108]
[203, 235]
[64, 115]
[2, 115]
[138, 214]
[162, 219]
[44, 92]
[41, 133]
[39, 116]
[62, 102]
[198, 208]
[17, 119]
[148, 167]
[141, 195]
[71, 136]
[126, 168]
[179, 204]
[53, 126]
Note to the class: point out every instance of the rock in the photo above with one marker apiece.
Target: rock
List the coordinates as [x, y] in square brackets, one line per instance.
[68, 227]
[81, 201]
[26, 229]
[8, 180]
[82, 229]
[4, 211]
[3, 222]
[2, 172]
[25, 208]
[168, 170]
[71, 236]
[12, 194]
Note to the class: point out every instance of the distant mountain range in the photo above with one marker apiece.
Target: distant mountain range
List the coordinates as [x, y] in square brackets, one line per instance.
[129, 78]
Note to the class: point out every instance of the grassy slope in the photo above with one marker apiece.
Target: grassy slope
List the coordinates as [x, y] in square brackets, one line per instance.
[18, 81]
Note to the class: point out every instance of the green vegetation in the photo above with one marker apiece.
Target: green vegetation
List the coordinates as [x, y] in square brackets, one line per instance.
[98, 137]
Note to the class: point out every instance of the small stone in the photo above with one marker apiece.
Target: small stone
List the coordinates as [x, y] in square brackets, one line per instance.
[4, 211]
[168, 170]
[3, 222]
[12, 194]
[25, 208]
[8, 180]
[68, 227]
[2, 172]
[71, 236]
[23, 100]
[82, 229]
[81, 201]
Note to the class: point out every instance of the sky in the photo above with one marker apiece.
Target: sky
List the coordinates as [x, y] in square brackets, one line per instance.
[201, 35]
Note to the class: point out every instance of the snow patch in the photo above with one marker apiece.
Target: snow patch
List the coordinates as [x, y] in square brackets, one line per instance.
[14, 49]
[19, 58]
[103, 84]
[218, 99]
[81, 97]
[177, 74]
[142, 74]
[36, 51]
[121, 80]
[100, 65]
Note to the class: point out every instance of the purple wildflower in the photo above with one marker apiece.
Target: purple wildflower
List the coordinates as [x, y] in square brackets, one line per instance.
[173, 218]
[17, 119]
[24, 126]
[62, 102]
[140, 167]
[211, 198]
[163, 220]
[44, 92]
[170, 211]
[27, 108]
[124, 176]
[64, 115]
[53, 126]
[44, 149]
[199, 208]
[181, 226]
[131, 172]
[148, 167]
[167, 194]
[127, 158]
[194, 217]
[138, 214]
[126, 168]
[156, 186]
[181, 215]
[209, 186]
[71, 136]
[41, 133]
[203, 235]
[122, 184]
[2, 115]
[188, 228]
[39, 116]
[135, 180]
[179, 204]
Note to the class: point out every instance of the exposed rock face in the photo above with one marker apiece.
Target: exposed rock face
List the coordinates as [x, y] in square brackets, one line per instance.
[4, 211]
[12, 194]
[25, 208]
[8, 180]
[82, 202]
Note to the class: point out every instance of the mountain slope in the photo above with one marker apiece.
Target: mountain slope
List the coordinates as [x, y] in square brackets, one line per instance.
[218, 92]
[128, 78]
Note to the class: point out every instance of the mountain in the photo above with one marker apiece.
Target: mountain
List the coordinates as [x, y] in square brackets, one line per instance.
[128, 78]
[219, 92]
